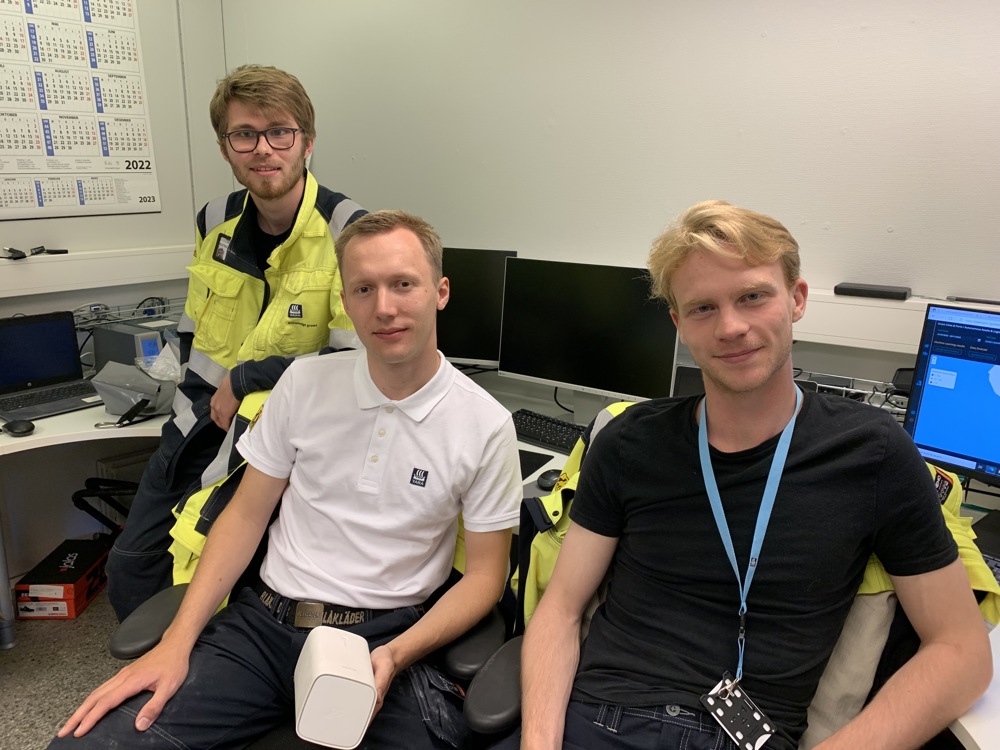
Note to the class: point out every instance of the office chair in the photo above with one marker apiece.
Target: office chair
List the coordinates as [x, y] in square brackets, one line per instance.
[461, 659]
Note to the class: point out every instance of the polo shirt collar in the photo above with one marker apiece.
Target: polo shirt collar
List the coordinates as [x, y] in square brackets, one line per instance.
[416, 406]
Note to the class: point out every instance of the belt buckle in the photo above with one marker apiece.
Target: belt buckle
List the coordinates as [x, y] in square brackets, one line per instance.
[308, 614]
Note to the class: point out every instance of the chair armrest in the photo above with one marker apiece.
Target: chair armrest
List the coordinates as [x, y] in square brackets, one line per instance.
[467, 654]
[142, 629]
[493, 700]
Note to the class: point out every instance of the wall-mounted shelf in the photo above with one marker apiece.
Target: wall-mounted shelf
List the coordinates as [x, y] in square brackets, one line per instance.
[867, 323]
[89, 269]
[862, 322]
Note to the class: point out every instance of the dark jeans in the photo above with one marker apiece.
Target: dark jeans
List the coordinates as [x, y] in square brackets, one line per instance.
[139, 564]
[601, 726]
[240, 686]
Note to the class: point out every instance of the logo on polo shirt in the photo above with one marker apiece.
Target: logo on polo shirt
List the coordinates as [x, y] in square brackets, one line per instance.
[419, 477]
[295, 310]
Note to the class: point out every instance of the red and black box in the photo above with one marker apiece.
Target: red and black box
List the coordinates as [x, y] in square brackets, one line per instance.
[65, 582]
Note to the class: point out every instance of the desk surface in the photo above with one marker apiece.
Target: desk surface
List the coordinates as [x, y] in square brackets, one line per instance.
[75, 427]
[979, 728]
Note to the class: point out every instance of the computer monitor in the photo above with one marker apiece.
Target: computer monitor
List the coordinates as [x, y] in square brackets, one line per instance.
[587, 327]
[468, 329]
[689, 382]
[954, 406]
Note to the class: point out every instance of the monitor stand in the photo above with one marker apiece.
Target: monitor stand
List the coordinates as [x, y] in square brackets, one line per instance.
[586, 406]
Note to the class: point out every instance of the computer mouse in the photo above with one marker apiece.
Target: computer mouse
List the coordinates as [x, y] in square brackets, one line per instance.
[19, 427]
[547, 479]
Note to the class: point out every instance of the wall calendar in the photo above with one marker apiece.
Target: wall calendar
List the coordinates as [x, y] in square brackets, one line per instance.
[74, 118]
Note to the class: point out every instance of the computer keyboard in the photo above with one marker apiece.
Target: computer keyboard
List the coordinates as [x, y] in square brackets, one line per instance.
[547, 432]
[47, 395]
[994, 563]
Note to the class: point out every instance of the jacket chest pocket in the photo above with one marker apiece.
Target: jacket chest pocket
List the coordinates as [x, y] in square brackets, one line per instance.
[303, 309]
[221, 293]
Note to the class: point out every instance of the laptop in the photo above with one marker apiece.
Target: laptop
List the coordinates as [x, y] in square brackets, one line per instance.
[40, 370]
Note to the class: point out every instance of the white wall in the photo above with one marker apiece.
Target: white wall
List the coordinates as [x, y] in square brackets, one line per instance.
[107, 251]
[575, 129]
[119, 260]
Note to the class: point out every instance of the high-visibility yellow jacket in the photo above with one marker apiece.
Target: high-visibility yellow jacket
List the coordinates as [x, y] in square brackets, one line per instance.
[240, 320]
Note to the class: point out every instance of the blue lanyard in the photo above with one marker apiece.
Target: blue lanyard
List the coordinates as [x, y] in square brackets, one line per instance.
[763, 515]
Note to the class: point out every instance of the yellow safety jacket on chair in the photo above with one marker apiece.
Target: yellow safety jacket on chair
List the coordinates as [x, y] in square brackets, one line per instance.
[196, 513]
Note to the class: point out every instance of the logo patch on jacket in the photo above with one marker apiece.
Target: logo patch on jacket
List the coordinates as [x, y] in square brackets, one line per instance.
[419, 477]
[222, 248]
[943, 485]
[295, 310]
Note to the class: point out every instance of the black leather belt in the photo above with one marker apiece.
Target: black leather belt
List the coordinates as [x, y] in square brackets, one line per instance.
[312, 614]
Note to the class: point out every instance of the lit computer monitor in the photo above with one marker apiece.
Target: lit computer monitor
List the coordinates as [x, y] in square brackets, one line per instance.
[590, 328]
[468, 329]
[954, 408]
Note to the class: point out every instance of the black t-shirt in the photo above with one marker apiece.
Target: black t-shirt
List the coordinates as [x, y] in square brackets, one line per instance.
[263, 243]
[853, 485]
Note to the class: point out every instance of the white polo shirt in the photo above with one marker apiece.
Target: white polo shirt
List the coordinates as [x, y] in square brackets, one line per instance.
[369, 517]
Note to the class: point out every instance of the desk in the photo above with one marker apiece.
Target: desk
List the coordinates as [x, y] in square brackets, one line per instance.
[34, 466]
[979, 728]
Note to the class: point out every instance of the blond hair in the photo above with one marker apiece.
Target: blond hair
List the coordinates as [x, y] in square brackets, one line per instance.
[385, 221]
[726, 230]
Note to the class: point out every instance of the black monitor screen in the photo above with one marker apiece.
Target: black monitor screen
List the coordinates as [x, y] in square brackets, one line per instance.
[954, 406]
[468, 329]
[586, 327]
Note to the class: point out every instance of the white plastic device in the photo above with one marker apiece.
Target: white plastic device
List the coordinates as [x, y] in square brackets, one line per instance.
[334, 689]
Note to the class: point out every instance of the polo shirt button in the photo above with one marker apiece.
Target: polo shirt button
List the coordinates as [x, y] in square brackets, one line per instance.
[390, 409]
[381, 433]
[374, 459]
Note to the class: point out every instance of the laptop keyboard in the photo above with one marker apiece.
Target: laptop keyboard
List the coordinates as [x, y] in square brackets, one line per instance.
[47, 395]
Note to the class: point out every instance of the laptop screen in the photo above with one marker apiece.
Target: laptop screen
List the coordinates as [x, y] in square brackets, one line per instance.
[37, 350]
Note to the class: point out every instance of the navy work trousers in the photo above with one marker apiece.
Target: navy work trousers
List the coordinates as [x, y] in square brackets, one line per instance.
[601, 726]
[240, 686]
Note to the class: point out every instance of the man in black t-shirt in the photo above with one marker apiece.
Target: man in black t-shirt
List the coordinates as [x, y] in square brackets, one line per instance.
[736, 529]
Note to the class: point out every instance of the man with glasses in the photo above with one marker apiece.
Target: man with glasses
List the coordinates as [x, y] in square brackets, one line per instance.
[264, 288]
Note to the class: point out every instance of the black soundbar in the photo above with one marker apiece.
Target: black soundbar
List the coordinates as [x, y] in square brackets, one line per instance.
[872, 290]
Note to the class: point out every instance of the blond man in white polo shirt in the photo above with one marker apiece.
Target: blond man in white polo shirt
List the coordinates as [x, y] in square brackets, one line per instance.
[373, 455]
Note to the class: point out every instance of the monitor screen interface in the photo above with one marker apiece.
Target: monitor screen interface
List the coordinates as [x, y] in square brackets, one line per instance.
[587, 327]
[954, 405]
[468, 329]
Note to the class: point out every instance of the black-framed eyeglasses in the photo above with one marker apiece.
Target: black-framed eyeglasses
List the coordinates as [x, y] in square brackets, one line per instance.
[244, 141]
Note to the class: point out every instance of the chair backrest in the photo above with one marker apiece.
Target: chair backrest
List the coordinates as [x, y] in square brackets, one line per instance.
[852, 674]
